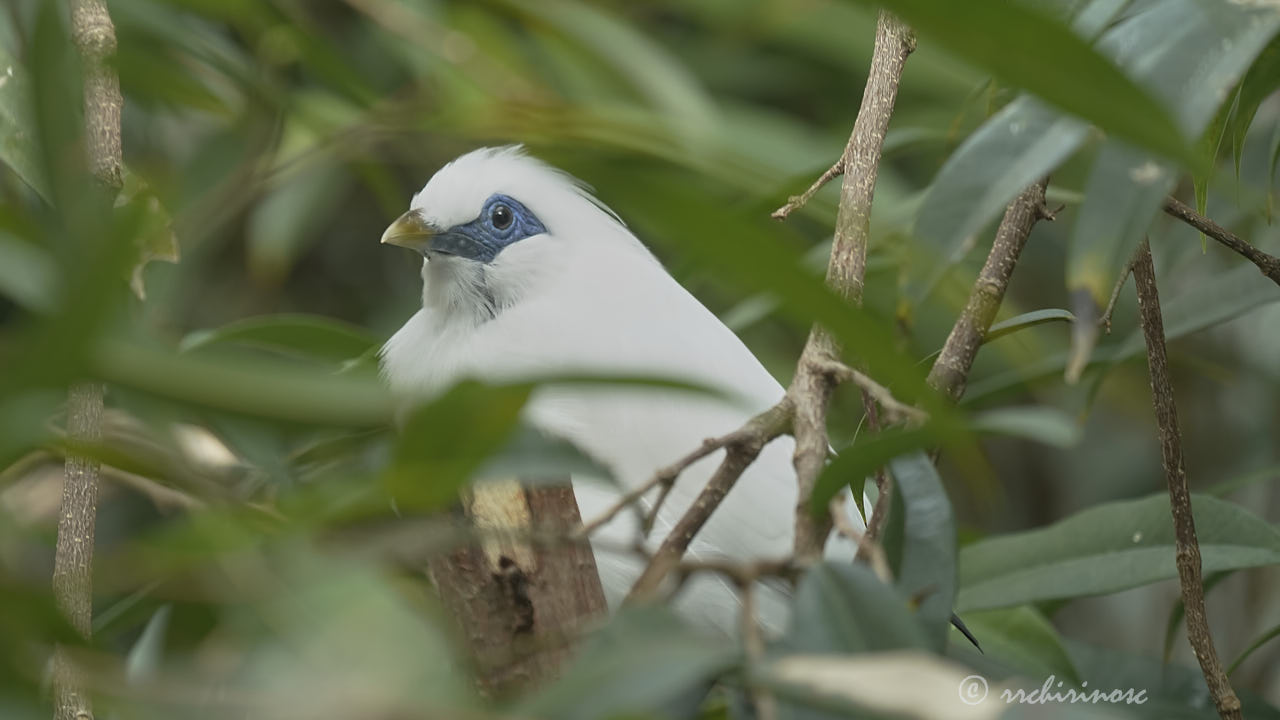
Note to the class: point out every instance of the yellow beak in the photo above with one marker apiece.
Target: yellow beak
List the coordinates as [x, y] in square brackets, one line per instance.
[410, 230]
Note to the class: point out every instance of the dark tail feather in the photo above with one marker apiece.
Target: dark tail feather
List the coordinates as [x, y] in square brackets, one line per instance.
[955, 620]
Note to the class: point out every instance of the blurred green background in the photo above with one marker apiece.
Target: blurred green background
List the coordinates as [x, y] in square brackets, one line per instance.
[275, 139]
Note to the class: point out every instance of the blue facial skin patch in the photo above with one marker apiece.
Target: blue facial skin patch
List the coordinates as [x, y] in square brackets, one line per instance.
[502, 221]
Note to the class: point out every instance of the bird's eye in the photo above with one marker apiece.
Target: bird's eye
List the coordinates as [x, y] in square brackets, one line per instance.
[501, 217]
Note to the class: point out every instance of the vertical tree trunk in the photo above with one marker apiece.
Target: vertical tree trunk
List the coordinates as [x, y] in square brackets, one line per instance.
[95, 40]
[518, 603]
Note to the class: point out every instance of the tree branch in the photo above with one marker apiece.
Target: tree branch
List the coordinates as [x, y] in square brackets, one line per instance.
[664, 478]
[1187, 547]
[95, 40]
[740, 450]
[1268, 265]
[810, 390]
[950, 371]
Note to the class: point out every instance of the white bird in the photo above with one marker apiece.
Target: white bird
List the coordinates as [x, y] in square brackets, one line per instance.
[526, 273]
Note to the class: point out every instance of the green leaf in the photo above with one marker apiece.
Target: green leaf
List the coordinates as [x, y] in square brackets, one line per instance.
[901, 684]
[1173, 691]
[855, 463]
[270, 390]
[291, 215]
[638, 664]
[1108, 548]
[1259, 83]
[532, 454]
[642, 63]
[845, 608]
[1043, 424]
[1262, 640]
[1122, 197]
[926, 569]
[1196, 307]
[1030, 50]
[147, 653]
[1018, 146]
[1026, 320]
[444, 442]
[1190, 55]
[1022, 639]
[28, 274]
[296, 335]
[18, 136]
[154, 239]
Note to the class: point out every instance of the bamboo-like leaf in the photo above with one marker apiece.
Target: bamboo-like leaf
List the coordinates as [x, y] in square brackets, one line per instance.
[1026, 320]
[18, 136]
[1108, 548]
[306, 336]
[1028, 49]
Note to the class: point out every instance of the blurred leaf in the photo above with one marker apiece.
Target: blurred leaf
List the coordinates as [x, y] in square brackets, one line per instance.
[1040, 423]
[445, 441]
[1262, 639]
[154, 238]
[925, 565]
[1023, 639]
[1030, 50]
[743, 251]
[18, 129]
[1018, 146]
[1173, 691]
[1026, 320]
[644, 659]
[843, 608]
[1262, 79]
[1190, 55]
[145, 657]
[28, 275]
[1202, 305]
[290, 217]
[1122, 196]
[1109, 547]
[531, 454]
[342, 641]
[646, 65]
[305, 336]
[1209, 146]
[273, 390]
[1226, 487]
[853, 464]
[902, 684]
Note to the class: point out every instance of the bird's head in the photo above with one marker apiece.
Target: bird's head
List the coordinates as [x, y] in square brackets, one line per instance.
[493, 220]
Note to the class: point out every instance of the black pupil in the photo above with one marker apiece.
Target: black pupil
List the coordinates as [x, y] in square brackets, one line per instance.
[501, 217]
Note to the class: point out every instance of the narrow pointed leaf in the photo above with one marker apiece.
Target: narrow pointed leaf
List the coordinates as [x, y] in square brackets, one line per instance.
[1028, 49]
[1108, 548]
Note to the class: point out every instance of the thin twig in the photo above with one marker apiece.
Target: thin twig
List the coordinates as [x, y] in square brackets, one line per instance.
[1105, 321]
[868, 547]
[895, 409]
[1268, 265]
[665, 478]
[795, 202]
[1187, 547]
[739, 453]
[810, 389]
[950, 371]
[880, 511]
